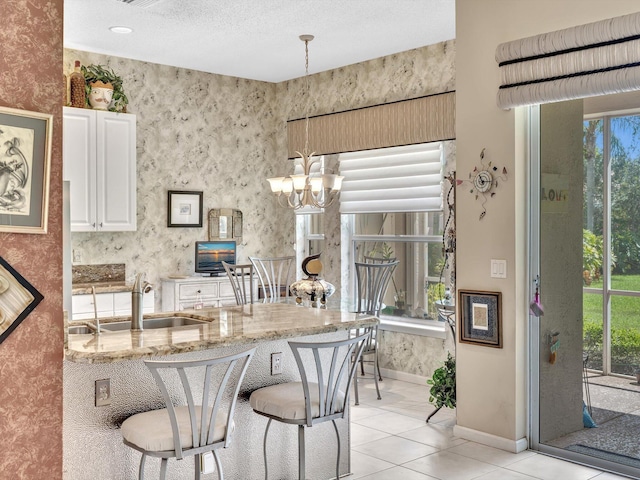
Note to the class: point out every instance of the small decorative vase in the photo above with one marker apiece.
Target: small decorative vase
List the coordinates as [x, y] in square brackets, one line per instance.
[101, 95]
[312, 288]
[76, 87]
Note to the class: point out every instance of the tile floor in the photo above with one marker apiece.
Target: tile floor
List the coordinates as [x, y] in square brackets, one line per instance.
[391, 441]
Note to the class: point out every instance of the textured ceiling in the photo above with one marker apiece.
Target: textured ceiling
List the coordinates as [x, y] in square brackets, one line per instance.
[257, 39]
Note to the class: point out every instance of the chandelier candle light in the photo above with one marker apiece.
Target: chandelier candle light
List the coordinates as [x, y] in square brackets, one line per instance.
[307, 189]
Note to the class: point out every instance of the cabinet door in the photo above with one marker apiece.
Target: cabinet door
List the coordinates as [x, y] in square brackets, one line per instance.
[116, 171]
[82, 306]
[79, 160]
[122, 303]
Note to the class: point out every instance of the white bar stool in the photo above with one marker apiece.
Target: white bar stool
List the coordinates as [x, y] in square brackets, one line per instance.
[178, 431]
[321, 396]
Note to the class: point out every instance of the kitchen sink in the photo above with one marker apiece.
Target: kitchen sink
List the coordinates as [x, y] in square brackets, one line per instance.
[79, 329]
[152, 323]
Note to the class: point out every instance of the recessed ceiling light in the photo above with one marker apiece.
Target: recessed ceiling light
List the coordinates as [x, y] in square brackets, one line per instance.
[121, 29]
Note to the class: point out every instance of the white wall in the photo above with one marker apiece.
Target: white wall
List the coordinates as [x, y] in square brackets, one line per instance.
[492, 383]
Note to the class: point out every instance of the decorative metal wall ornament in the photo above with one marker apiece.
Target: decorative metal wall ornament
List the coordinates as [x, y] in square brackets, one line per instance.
[18, 298]
[484, 180]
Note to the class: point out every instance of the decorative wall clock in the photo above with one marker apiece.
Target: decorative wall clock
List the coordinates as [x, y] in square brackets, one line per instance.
[484, 180]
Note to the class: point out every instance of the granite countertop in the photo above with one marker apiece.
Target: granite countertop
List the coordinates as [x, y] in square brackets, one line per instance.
[101, 287]
[223, 326]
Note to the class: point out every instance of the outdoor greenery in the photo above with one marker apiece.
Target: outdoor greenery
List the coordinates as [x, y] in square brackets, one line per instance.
[625, 328]
[592, 256]
[624, 191]
[435, 292]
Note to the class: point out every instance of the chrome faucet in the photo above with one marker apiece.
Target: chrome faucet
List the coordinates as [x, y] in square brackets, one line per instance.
[95, 310]
[138, 290]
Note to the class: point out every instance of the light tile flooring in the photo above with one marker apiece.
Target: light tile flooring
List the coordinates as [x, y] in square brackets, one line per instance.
[391, 441]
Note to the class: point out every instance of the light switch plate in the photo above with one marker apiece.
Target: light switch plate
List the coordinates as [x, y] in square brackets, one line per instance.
[498, 268]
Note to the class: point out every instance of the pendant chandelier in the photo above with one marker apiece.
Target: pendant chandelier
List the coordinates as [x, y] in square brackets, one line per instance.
[316, 190]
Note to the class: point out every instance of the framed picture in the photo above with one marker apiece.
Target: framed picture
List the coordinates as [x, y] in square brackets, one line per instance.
[480, 318]
[184, 209]
[18, 298]
[25, 163]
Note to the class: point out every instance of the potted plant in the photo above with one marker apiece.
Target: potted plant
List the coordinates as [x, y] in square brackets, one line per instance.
[101, 77]
[443, 386]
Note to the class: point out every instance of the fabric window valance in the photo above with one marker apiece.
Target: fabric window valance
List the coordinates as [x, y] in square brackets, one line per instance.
[408, 122]
[588, 60]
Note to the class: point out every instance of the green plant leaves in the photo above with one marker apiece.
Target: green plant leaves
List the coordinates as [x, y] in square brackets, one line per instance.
[94, 73]
[443, 384]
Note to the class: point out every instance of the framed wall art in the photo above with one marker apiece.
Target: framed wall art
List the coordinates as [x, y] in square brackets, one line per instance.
[480, 318]
[184, 209]
[18, 298]
[25, 163]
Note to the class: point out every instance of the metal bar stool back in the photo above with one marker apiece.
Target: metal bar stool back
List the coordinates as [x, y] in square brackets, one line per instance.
[275, 274]
[322, 395]
[241, 278]
[372, 281]
[201, 423]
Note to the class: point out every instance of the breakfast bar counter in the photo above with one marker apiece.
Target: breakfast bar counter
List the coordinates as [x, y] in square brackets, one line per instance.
[92, 443]
[222, 326]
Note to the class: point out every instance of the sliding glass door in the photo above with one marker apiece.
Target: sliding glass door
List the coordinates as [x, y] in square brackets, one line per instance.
[585, 247]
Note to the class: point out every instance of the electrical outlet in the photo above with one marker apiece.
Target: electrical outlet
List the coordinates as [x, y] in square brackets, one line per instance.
[77, 256]
[276, 363]
[103, 392]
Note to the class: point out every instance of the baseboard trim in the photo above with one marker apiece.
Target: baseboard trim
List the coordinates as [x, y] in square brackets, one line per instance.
[513, 446]
[397, 375]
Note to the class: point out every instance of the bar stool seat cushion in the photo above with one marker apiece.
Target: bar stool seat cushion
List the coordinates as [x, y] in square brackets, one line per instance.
[286, 401]
[151, 431]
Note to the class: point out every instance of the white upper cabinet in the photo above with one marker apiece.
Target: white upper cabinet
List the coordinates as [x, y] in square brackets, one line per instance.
[99, 155]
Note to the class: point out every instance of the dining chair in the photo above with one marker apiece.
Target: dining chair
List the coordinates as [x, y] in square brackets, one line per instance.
[239, 276]
[189, 427]
[322, 395]
[275, 274]
[372, 280]
[378, 259]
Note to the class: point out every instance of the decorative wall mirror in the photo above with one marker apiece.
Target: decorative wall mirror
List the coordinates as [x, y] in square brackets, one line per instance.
[225, 223]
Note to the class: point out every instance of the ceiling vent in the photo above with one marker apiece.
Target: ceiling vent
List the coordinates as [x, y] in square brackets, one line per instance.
[140, 3]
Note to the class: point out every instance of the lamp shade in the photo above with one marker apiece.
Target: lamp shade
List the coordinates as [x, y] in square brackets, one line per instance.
[287, 186]
[316, 184]
[276, 184]
[299, 182]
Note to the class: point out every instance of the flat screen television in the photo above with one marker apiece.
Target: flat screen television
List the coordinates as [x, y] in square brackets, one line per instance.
[211, 254]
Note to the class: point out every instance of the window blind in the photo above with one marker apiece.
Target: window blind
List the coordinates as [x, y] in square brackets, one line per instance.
[396, 179]
[588, 60]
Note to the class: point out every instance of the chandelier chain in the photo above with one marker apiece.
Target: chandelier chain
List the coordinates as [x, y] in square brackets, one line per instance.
[306, 117]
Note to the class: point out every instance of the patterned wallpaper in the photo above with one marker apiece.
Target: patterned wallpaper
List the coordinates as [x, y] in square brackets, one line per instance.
[31, 357]
[414, 73]
[225, 136]
[195, 131]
